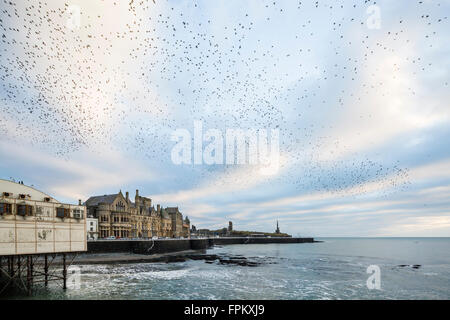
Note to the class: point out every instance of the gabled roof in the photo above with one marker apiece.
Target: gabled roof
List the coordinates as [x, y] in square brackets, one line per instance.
[144, 198]
[96, 200]
[172, 209]
[154, 212]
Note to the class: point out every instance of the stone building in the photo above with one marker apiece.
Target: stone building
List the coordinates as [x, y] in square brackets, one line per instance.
[141, 218]
[177, 221]
[119, 217]
[113, 213]
[186, 232]
[230, 227]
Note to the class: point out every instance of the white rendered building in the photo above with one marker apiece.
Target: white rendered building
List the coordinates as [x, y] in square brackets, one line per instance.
[33, 222]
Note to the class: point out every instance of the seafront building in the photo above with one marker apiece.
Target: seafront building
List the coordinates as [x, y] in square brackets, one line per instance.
[32, 222]
[92, 227]
[35, 230]
[119, 217]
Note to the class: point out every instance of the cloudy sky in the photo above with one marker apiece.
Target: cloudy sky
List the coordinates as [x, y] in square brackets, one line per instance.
[92, 91]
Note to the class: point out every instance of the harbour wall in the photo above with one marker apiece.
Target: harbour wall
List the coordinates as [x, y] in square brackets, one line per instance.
[173, 245]
[256, 240]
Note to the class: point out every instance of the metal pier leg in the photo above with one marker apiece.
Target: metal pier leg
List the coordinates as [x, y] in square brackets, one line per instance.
[46, 270]
[31, 271]
[19, 267]
[29, 274]
[8, 262]
[12, 267]
[64, 272]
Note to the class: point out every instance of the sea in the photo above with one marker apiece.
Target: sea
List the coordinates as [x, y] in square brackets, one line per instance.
[336, 268]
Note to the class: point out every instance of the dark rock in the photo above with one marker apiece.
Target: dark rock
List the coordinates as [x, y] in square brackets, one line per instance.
[414, 266]
[175, 259]
[208, 257]
[224, 259]
[252, 264]
[240, 262]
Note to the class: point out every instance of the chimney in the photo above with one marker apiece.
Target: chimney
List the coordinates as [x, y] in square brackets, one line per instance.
[127, 196]
[79, 202]
[137, 193]
[158, 207]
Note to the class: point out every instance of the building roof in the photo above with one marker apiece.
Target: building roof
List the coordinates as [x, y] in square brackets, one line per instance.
[172, 209]
[143, 198]
[96, 200]
[19, 188]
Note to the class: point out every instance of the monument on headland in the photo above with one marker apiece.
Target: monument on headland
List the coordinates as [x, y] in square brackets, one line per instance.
[230, 232]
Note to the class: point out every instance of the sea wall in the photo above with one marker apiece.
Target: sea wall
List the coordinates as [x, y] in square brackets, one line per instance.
[146, 246]
[250, 240]
[174, 245]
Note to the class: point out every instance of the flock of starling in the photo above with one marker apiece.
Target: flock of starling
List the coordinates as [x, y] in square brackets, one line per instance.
[131, 73]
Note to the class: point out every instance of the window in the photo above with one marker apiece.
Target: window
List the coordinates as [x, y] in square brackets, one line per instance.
[24, 210]
[5, 208]
[120, 206]
[62, 213]
[92, 223]
[77, 213]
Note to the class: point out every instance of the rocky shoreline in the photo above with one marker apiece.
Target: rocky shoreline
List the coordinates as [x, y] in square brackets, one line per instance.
[122, 258]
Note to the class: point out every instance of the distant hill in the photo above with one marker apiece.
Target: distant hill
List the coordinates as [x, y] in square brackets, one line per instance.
[235, 233]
